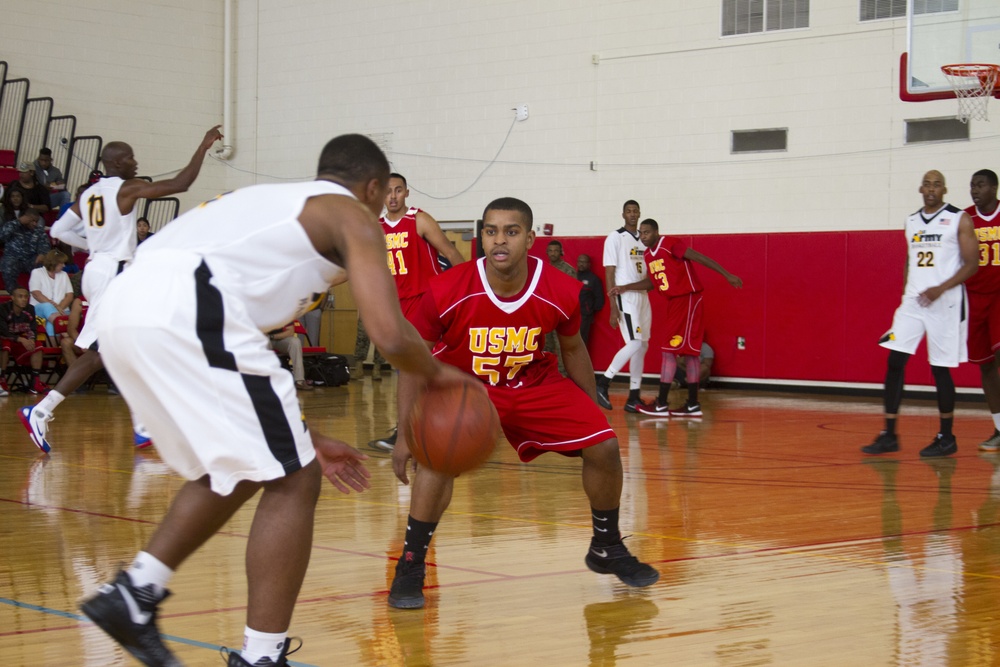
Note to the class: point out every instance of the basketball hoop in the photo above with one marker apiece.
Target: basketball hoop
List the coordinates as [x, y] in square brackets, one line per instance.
[973, 85]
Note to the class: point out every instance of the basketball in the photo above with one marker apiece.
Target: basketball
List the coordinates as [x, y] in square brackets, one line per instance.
[452, 429]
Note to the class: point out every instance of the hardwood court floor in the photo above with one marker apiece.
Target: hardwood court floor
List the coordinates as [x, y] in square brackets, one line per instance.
[778, 544]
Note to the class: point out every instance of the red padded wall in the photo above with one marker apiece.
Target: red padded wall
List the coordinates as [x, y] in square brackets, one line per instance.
[812, 308]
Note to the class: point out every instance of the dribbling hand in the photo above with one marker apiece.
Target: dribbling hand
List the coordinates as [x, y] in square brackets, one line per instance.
[341, 464]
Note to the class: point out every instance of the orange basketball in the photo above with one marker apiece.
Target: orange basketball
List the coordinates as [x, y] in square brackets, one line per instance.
[453, 429]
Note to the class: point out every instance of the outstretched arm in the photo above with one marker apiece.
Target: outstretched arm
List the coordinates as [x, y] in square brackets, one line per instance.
[704, 260]
[643, 285]
[136, 188]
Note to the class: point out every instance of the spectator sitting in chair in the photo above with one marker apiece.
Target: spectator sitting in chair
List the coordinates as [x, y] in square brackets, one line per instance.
[25, 244]
[18, 331]
[52, 178]
[51, 291]
[13, 204]
[142, 229]
[36, 195]
[285, 341]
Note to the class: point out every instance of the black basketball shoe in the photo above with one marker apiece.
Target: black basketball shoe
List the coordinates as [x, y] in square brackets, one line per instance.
[128, 614]
[940, 446]
[602, 393]
[615, 559]
[884, 443]
[407, 591]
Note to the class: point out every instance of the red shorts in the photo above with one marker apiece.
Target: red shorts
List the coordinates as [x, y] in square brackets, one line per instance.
[552, 417]
[15, 348]
[411, 307]
[984, 327]
[684, 325]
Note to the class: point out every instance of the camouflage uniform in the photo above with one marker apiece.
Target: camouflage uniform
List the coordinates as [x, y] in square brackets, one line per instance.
[22, 246]
[361, 345]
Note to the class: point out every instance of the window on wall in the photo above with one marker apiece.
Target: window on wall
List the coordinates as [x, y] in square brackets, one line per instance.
[743, 17]
[871, 10]
[760, 141]
[936, 129]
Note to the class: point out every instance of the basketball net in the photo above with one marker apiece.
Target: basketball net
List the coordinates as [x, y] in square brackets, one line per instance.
[973, 85]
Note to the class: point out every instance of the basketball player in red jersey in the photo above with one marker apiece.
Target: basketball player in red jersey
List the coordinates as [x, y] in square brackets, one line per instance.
[413, 240]
[984, 295]
[489, 318]
[669, 271]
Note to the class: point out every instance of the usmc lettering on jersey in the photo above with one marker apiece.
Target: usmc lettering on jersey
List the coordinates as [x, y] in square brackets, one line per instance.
[656, 271]
[922, 237]
[987, 234]
[510, 340]
[396, 240]
[488, 343]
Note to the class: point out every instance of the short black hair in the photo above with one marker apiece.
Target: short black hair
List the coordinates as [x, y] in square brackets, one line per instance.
[554, 242]
[399, 176]
[45, 151]
[142, 219]
[652, 223]
[989, 175]
[630, 202]
[511, 204]
[353, 158]
[31, 213]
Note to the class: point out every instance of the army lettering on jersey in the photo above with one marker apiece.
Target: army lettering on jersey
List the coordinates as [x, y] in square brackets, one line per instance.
[934, 254]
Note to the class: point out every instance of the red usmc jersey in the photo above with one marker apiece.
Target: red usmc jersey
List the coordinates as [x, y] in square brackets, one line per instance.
[412, 260]
[499, 340]
[987, 279]
[670, 273]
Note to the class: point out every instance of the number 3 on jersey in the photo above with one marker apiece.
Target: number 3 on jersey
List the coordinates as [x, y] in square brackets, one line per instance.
[984, 254]
[397, 266]
[95, 211]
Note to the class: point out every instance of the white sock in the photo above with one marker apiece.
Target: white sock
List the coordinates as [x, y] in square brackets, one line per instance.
[146, 569]
[996, 420]
[257, 645]
[50, 402]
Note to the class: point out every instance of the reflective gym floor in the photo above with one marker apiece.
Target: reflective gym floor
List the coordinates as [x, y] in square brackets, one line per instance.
[778, 544]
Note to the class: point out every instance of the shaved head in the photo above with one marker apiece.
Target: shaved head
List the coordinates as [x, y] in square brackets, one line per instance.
[115, 150]
[118, 160]
[935, 175]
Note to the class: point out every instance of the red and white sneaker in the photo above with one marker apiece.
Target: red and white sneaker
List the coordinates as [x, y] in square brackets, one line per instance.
[687, 410]
[654, 409]
[38, 387]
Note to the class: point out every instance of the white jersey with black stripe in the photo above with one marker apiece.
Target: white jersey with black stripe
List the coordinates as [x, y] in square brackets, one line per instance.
[109, 231]
[623, 250]
[934, 255]
[256, 249]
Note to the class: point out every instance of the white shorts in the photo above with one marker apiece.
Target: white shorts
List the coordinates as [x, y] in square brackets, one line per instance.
[97, 275]
[636, 316]
[945, 322]
[199, 375]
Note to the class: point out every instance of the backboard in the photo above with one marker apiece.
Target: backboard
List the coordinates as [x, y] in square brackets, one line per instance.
[946, 32]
